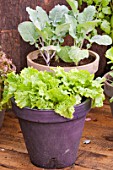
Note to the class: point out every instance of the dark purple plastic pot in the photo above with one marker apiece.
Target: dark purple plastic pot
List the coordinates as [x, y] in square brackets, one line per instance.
[108, 88]
[2, 113]
[51, 140]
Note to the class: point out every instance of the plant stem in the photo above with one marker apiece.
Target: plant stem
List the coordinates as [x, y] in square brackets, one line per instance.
[48, 58]
[74, 42]
[44, 57]
[53, 54]
[41, 42]
[82, 44]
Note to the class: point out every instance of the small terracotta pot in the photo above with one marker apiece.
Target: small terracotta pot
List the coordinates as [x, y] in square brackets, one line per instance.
[91, 67]
[108, 88]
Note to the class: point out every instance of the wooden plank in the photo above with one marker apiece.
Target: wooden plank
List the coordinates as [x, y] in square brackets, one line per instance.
[95, 161]
[85, 160]
[10, 135]
[3, 167]
[16, 160]
[10, 42]
[9, 14]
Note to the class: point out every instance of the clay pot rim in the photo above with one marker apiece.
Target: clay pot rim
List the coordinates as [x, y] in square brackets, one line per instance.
[29, 60]
[46, 110]
[50, 116]
[106, 82]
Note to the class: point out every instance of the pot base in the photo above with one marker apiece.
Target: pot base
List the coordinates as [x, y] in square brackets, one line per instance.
[52, 145]
[51, 140]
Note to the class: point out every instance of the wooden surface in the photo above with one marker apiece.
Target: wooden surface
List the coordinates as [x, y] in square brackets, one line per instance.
[96, 155]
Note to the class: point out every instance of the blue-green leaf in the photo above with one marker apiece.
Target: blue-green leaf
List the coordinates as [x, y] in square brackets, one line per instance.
[39, 17]
[28, 32]
[62, 29]
[73, 24]
[76, 54]
[57, 14]
[74, 5]
[63, 54]
[101, 39]
[87, 14]
[105, 26]
[87, 27]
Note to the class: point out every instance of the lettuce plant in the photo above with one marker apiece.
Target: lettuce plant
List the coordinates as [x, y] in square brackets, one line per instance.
[57, 90]
[6, 66]
[47, 31]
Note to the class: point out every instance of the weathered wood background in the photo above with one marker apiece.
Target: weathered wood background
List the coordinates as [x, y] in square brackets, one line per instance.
[13, 12]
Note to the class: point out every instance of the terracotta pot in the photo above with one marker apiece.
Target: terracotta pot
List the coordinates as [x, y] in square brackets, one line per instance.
[91, 67]
[2, 113]
[108, 88]
[52, 141]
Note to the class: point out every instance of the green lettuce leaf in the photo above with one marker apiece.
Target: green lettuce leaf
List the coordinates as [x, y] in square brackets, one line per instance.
[57, 90]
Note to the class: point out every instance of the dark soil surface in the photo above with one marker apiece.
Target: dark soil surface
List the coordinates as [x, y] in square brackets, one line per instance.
[61, 63]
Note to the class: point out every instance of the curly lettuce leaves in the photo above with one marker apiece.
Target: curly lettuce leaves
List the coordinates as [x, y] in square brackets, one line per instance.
[57, 90]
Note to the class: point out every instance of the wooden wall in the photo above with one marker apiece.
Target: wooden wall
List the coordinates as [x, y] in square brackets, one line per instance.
[13, 12]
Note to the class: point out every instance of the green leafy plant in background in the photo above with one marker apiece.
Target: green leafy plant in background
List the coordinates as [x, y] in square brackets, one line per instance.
[47, 31]
[6, 66]
[109, 55]
[57, 90]
[82, 27]
[104, 13]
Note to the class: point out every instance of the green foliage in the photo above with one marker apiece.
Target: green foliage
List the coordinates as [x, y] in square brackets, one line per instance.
[57, 90]
[57, 15]
[109, 55]
[29, 35]
[104, 13]
[64, 54]
[87, 15]
[101, 40]
[6, 66]
[82, 26]
[76, 54]
[47, 31]
[73, 54]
